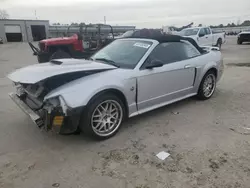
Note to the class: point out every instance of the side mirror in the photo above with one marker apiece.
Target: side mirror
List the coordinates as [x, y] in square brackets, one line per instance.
[153, 64]
[201, 34]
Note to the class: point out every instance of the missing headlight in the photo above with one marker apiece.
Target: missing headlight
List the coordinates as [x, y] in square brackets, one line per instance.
[55, 102]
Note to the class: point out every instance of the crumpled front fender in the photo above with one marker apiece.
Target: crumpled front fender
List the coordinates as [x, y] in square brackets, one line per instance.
[79, 92]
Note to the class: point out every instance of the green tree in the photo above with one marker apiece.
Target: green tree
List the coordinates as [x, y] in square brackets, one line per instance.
[246, 23]
[233, 25]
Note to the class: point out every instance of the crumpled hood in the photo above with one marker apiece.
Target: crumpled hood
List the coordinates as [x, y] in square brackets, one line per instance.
[38, 72]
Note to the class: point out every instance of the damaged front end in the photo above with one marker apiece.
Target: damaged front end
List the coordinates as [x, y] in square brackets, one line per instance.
[52, 114]
[34, 84]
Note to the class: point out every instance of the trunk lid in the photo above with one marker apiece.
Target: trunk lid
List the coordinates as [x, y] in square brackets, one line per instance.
[38, 72]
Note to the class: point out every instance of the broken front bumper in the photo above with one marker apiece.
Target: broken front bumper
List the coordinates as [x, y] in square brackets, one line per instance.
[55, 120]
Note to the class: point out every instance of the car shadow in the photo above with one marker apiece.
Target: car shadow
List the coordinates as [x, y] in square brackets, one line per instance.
[125, 134]
[131, 123]
[246, 43]
[159, 112]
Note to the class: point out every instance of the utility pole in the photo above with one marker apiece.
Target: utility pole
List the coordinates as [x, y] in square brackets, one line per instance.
[104, 19]
[35, 15]
[238, 21]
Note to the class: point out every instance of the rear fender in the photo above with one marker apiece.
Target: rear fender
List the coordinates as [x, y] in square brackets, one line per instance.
[208, 66]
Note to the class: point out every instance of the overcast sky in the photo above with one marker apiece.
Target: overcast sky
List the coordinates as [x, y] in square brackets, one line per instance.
[141, 13]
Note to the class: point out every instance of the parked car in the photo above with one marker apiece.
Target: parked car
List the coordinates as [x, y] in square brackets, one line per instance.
[204, 36]
[128, 77]
[243, 37]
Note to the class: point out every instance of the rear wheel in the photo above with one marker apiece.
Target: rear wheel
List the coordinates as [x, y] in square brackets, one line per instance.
[43, 58]
[207, 86]
[103, 116]
[239, 42]
[219, 43]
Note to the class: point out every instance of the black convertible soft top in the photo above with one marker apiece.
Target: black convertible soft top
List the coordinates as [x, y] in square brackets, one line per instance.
[161, 38]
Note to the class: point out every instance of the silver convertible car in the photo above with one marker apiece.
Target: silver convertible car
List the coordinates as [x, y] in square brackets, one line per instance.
[126, 78]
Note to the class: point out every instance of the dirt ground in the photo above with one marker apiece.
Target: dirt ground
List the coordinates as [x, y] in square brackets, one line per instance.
[208, 141]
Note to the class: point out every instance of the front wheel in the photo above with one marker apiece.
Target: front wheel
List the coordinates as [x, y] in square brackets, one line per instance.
[219, 43]
[207, 86]
[59, 54]
[43, 58]
[103, 116]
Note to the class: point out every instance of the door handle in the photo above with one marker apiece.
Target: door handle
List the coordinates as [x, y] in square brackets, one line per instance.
[187, 66]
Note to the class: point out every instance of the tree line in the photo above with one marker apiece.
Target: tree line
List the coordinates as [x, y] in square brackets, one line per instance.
[72, 24]
[245, 23]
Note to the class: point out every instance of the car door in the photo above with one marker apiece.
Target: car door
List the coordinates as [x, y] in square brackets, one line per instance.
[209, 36]
[202, 38]
[172, 81]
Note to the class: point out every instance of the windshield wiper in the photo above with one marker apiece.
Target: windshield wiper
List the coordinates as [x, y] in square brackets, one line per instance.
[108, 61]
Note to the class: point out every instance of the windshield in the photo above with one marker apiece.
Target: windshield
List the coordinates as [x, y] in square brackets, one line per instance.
[189, 32]
[123, 53]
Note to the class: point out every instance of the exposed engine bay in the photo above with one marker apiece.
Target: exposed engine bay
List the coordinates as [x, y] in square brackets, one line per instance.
[33, 96]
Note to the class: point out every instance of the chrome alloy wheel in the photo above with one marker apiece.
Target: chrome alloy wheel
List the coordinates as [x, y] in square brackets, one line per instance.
[106, 118]
[209, 85]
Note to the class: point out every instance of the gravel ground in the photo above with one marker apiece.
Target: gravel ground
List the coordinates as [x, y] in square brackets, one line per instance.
[208, 141]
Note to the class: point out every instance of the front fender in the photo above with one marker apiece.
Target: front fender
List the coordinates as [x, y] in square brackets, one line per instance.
[79, 92]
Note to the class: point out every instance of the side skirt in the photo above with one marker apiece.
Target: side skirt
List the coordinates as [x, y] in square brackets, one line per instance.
[161, 105]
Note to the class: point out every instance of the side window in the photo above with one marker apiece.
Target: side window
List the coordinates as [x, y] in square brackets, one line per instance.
[208, 32]
[169, 52]
[191, 51]
[202, 32]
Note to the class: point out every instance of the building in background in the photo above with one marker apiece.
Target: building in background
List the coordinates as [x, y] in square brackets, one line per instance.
[62, 30]
[23, 30]
[12, 30]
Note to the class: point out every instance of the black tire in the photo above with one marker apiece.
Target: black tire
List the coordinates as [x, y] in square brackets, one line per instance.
[43, 58]
[60, 54]
[201, 94]
[239, 42]
[219, 43]
[86, 119]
